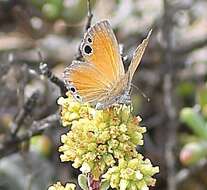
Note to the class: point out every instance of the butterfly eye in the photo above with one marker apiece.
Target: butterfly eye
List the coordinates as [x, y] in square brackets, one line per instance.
[89, 40]
[88, 49]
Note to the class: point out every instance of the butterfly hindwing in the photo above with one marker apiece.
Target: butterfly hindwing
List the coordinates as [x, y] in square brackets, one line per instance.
[85, 82]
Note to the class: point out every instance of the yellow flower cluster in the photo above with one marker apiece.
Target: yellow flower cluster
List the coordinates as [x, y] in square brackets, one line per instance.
[134, 174]
[72, 110]
[58, 186]
[103, 143]
[98, 137]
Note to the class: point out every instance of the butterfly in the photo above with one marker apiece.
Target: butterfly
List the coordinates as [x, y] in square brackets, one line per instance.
[101, 79]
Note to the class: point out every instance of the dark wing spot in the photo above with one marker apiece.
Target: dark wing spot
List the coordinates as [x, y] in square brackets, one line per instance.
[89, 40]
[78, 97]
[87, 49]
[72, 89]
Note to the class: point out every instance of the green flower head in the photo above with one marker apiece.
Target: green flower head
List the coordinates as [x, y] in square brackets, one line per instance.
[103, 143]
[98, 137]
[58, 186]
[134, 174]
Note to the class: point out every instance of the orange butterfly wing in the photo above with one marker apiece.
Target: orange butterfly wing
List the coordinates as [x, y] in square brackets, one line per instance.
[85, 82]
[101, 77]
[139, 52]
[91, 81]
[105, 51]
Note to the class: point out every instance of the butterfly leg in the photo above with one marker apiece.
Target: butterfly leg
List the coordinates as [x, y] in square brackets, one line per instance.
[100, 106]
[108, 104]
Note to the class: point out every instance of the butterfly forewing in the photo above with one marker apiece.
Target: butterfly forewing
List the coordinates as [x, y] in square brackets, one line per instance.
[104, 53]
[139, 52]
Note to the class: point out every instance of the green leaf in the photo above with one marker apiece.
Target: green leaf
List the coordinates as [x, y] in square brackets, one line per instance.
[185, 89]
[104, 185]
[51, 11]
[194, 121]
[202, 97]
[191, 153]
[77, 11]
[82, 181]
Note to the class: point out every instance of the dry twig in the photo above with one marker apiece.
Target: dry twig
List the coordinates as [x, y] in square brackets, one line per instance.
[23, 113]
[11, 145]
[54, 79]
[190, 47]
[87, 26]
[185, 174]
[90, 16]
[168, 95]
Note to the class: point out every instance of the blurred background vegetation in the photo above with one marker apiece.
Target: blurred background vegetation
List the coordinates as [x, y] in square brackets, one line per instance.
[172, 74]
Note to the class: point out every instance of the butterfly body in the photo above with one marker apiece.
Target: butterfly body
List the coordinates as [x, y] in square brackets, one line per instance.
[118, 94]
[101, 79]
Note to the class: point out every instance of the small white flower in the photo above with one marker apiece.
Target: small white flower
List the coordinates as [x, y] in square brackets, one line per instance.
[145, 187]
[123, 184]
[139, 175]
[85, 168]
[139, 118]
[61, 101]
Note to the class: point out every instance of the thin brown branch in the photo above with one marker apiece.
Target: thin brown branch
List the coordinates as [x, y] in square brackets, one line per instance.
[54, 79]
[168, 87]
[93, 184]
[24, 112]
[190, 47]
[11, 145]
[5, 66]
[185, 174]
[90, 16]
[87, 26]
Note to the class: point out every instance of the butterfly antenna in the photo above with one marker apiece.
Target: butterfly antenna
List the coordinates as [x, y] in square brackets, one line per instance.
[141, 92]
